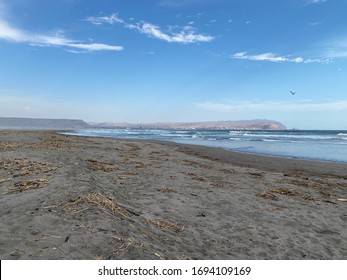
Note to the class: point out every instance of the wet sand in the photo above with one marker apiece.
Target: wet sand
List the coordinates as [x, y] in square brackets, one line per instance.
[67, 197]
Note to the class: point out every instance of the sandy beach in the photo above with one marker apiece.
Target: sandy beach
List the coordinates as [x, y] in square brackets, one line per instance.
[68, 197]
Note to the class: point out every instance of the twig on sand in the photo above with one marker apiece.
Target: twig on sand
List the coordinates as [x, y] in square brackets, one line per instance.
[160, 257]
[166, 225]
[126, 244]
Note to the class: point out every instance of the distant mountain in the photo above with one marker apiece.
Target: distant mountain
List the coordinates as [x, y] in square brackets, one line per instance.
[69, 124]
[243, 125]
[46, 124]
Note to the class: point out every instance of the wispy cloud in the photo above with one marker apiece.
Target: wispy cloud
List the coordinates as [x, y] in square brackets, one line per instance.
[185, 35]
[112, 19]
[13, 34]
[266, 57]
[271, 57]
[281, 106]
[324, 52]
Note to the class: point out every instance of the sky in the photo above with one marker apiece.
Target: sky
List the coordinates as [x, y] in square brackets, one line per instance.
[175, 60]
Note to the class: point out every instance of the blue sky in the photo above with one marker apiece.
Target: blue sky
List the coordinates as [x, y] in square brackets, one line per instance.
[175, 60]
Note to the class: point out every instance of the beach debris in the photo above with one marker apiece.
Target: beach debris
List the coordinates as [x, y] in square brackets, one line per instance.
[125, 244]
[229, 171]
[103, 166]
[128, 173]
[160, 257]
[273, 208]
[268, 195]
[196, 177]
[291, 192]
[166, 225]
[137, 164]
[342, 199]
[257, 174]
[10, 146]
[99, 258]
[160, 153]
[198, 164]
[283, 191]
[100, 200]
[329, 201]
[28, 185]
[42, 238]
[16, 253]
[133, 147]
[218, 183]
[23, 167]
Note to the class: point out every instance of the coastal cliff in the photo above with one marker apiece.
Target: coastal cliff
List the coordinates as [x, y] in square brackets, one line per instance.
[46, 124]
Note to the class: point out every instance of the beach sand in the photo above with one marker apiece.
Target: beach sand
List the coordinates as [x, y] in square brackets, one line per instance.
[68, 197]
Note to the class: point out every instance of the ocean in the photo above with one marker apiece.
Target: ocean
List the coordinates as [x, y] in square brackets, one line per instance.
[303, 144]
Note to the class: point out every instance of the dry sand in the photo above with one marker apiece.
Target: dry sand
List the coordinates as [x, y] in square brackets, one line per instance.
[65, 197]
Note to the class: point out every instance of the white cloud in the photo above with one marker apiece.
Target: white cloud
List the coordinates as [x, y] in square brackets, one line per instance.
[9, 33]
[185, 34]
[13, 34]
[266, 57]
[281, 106]
[112, 19]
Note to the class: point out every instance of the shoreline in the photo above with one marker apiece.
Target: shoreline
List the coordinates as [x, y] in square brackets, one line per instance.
[261, 161]
[73, 197]
[236, 150]
[245, 159]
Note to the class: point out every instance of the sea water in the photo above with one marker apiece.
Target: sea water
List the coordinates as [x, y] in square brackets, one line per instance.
[312, 145]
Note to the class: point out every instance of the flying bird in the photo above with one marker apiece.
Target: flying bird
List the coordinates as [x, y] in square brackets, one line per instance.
[293, 92]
